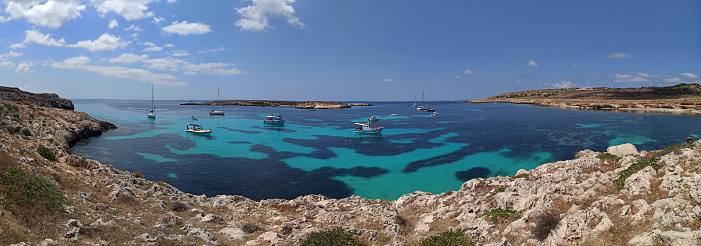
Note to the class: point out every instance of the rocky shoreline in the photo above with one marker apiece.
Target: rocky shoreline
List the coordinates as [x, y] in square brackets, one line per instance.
[683, 99]
[268, 103]
[618, 197]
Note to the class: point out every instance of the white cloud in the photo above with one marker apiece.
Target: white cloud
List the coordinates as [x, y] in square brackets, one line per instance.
[574, 64]
[34, 36]
[457, 77]
[177, 53]
[152, 46]
[212, 50]
[498, 75]
[468, 72]
[531, 63]
[11, 54]
[487, 75]
[563, 85]
[645, 75]
[81, 62]
[5, 63]
[133, 28]
[387, 80]
[128, 58]
[629, 78]
[157, 20]
[672, 80]
[168, 63]
[104, 42]
[689, 75]
[129, 9]
[214, 68]
[184, 28]
[51, 13]
[18, 46]
[24, 67]
[621, 55]
[169, 45]
[255, 17]
[113, 24]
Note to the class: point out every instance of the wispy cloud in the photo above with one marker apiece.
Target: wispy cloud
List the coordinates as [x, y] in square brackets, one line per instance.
[689, 75]
[255, 17]
[113, 24]
[387, 80]
[574, 64]
[628, 78]
[82, 63]
[620, 55]
[104, 42]
[466, 72]
[129, 9]
[212, 50]
[563, 85]
[531, 63]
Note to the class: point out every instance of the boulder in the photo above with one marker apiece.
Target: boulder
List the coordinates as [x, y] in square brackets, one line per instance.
[622, 150]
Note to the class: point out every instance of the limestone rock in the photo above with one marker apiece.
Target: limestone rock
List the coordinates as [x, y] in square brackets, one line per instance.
[233, 233]
[622, 150]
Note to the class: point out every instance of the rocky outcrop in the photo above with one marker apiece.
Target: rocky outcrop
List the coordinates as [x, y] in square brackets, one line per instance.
[43, 100]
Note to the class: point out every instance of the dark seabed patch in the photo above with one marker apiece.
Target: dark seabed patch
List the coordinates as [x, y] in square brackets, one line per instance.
[274, 128]
[240, 142]
[242, 131]
[363, 172]
[472, 173]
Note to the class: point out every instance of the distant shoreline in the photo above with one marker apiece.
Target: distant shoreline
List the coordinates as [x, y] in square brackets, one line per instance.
[271, 103]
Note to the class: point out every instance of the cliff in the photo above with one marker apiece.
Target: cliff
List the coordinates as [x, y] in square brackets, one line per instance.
[43, 100]
[618, 197]
[681, 98]
[299, 105]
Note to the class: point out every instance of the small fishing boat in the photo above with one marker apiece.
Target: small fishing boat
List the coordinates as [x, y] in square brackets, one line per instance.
[393, 114]
[151, 113]
[274, 120]
[434, 113]
[197, 129]
[373, 118]
[430, 109]
[193, 118]
[367, 128]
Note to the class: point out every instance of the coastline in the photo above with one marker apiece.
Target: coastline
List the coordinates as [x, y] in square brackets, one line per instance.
[273, 103]
[110, 206]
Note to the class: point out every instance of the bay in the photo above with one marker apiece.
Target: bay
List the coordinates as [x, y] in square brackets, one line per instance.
[316, 152]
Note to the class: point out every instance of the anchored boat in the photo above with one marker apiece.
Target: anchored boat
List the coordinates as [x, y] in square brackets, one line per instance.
[274, 120]
[367, 128]
[197, 129]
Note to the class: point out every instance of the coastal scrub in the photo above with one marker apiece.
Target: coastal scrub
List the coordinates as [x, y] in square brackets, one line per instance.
[449, 238]
[336, 236]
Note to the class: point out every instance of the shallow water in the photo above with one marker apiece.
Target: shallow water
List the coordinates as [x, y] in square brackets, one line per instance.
[316, 152]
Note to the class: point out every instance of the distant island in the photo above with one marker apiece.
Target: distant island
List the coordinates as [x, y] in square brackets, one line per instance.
[269, 103]
[680, 98]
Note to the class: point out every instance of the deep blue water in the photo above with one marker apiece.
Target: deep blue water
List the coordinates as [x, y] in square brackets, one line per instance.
[316, 152]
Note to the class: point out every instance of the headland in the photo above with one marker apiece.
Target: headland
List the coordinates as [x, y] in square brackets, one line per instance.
[269, 103]
[681, 98]
[49, 196]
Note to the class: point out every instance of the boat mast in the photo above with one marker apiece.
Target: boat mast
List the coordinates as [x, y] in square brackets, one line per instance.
[153, 103]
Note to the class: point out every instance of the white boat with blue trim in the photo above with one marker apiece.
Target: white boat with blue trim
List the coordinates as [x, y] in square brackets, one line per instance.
[274, 120]
[197, 129]
[367, 128]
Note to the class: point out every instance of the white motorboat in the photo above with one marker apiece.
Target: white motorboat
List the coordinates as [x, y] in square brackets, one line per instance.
[197, 129]
[367, 128]
[274, 120]
[373, 118]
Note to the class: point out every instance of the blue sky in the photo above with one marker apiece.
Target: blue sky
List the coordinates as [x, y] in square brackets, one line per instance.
[343, 50]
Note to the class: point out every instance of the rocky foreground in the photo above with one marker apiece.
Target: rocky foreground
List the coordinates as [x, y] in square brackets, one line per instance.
[681, 98]
[268, 103]
[615, 198]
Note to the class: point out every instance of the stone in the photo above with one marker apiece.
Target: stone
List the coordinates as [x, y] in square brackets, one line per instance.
[622, 150]
[233, 233]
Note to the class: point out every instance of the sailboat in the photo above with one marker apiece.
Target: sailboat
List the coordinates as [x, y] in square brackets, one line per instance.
[217, 111]
[152, 113]
[414, 100]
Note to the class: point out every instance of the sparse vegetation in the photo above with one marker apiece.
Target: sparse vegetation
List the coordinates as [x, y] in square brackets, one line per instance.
[27, 133]
[179, 206]
[28, 190]
[544, 224]
[336, 236]
[138, 175]
[496, 190]
[498, 215]
[449, 238]
[611, 159]
[523, 175]
[11, 107]
[399, 220]
[286, 230]
[652, 161]
[47, 153]
[51, 140]
[250, 228]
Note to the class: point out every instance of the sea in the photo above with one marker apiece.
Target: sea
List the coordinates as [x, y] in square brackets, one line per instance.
[317, 152]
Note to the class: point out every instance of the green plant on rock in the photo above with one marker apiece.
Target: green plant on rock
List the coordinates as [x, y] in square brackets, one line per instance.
[27, 132]
[47, 153]
[611, 159]
[26, 189]
[449, 238]
[336, 236]
[250, 228]
[399, 220]
[11, 107]
[544, 224]
[500, 215]
[496, 190]
[652, 161]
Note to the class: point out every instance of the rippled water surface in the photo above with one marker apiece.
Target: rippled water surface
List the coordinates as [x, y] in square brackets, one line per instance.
[316, 152]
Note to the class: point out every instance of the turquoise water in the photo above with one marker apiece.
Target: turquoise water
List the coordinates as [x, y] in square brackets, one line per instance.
[316, 152]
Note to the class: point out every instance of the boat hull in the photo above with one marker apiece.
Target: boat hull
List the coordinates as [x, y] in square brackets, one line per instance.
[216, 112]
[205, 132]
[378, 131]
[152, 116]
[274, 122]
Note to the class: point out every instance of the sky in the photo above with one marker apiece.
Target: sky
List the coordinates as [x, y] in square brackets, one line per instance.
[343, 50]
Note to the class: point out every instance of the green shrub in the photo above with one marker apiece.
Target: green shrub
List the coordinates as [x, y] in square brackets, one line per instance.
[26, 189]
[51, 140]
[138, 175]
[544, 224]
[499, 215]
[449, 238]
[399, 220]
[336, 236]
[47, 153]
[497, 190]
[652, 161]
[15, 117]
[27, 132]
[11, 107]
[286, 230]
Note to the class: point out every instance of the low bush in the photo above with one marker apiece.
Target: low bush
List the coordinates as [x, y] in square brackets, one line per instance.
[496, 190]
[250, 228]
[27, 190]
[399, 220]
[47, 153]
[27, 132]
[336, 236]
[499, 215]
[611, 159]
[449, 238]
[544, 224]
